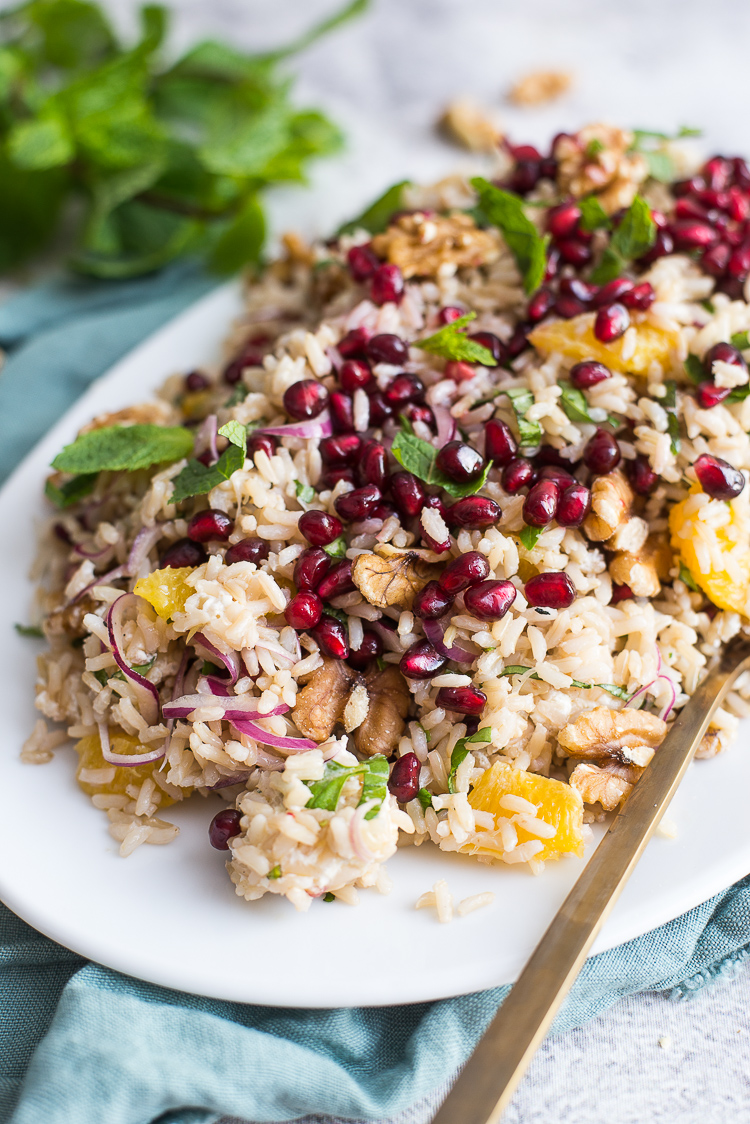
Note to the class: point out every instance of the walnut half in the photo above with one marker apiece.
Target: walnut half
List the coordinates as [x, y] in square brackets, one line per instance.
[421, 245]
[392, 582]
[643, 570]
[320, 704]
[627, 735]
[611, 502]
[597, 785]
[383, 724]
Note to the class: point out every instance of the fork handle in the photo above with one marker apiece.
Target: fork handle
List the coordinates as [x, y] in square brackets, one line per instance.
[490, 1077]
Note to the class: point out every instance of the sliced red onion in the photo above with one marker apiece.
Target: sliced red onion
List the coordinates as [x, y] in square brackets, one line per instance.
[269, 762]
[277, 650]
[212, 686]
[142, 543]
[446, 425]
[101, 579]
[389, 636]
[222, 657]
[315, 427]
[227, 782]
[360, 848]
[434, 631]
[92, 554]
[205, 438]
[276, 741]
[146, 693]
[673, 700]
[128, 760]
[234, 706]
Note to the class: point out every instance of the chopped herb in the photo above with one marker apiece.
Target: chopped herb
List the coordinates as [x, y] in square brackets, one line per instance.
[275, 872]
[594, 147]
[613, 689]
[740, 341]
[124, 448]
[688, 579]
[694, 369]
[141, 668]
[425, 798]
[406, 424]
[236, 433]
[337, 548]
[305, 492]
[739, 394]
[452, 343]
[650, 144]
[673, 424]
[197, 479]
[574, 403]
[210, 668]
[709, 306]
[239, 394]
[518, 669]
[426, 733]
[505, 211]
[593, 215]
[327, 791]
[529, 536]
[65, 495]
[633, 237]
[382, 665]
[338, 614]
[529, 432]
[669, 401]
[377, 216]
[375, 785]
[101, 676]
[29, 630]
[419, 457]
[460, 752]
[329, 897]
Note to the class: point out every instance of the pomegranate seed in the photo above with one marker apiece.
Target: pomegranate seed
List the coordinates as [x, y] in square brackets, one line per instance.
[402, 389]
[342, 412]
[261, 443]
[387, 285]
[540, 305]
[305, 399]
[663, 245]
[232, 373]
[420, 414]
[460, 461]
[717, 173]
[247, 550]
[548, 454]
[641, 475]
[691, 234]
[574, 506]
[640, 297]
[319, 528]
[568, 307]
[709, 395]
[518, 473]
[611, 322]
[382, 512]
[723, 353]
[195, 381]
[738, 206]
[311, 566]
[464, 571]
[387, 348]
[304, 610]
[733, 287]
[583, 291]
[331, 477]
[559, 475]
[209, 525]
[353, 344]
[353, 375]
[336, 582]
[408, 493]
[574, 252]
[715, 260]
[449, 313]
[490, 600]
[551, 591]
[518, 341]
[686, 187]
[541, 503]
[738, 265]
[525, 176]
[362, 262]
[588, 374]
[340, 450]
[620, 593]
[602, 453]
[741, 173]
[688, 207]
[474, 513]
[182, 554]
[436, 503]
[421, 661]
[499, 443]
[553, 263]
[372, 467]
[370, 648]
[380, 410]
[223, 827]
[524, 152]
[466, 700]
[459, 371]
[431, 602]
[358, 504]
[493, 345]
[403, 782]
[331, 637]
[563, 220]
[718, 479]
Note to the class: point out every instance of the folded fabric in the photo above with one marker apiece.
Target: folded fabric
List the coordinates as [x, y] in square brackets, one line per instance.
[81, 1043]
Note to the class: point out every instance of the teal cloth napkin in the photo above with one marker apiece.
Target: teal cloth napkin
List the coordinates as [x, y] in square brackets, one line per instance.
[80, 1043]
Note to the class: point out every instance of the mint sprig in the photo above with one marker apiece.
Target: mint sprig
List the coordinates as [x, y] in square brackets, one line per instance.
[505, 210]
[634, 236]
[197, 479]
[326, 792]
[451, 343]
[529, 432]
[419, 457]
[376, 217]
[124, 448]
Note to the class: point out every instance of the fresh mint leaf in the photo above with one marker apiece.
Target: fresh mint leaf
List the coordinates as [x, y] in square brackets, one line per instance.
[239, 394]
[460, 752]
[694, 369]
[41, 144]
[594, 147]
[305, 492]
[505, 211]
[709, 306]
[740, 340]
[242, 240]
[451, 343]
[198, 479]
[613, 689]
[29, 630]
[573, 402]
[424, 796]
[593, 215]
[529, 432]
[375, 785]
[419, 457]
[327, 897]
[518, 669]
[326, 792]
[669, 401]
[634, 236]
[65, 495]
[529, 536]
[337, 548]
[739, 394]
[274, 872]
[376, 217]
[124, 448]
[688, 579]
[673, 424]
[406, 424]
[236, 433]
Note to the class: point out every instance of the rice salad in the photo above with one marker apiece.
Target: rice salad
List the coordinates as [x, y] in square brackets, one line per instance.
[440, 548]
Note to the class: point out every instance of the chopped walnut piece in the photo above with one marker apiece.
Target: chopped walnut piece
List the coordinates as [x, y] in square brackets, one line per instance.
[611, 501]
[389, 704]
[68, 618]
[320, 704]
[540, 86]
[598, 786]
[642, 571]
[628, 735]
[711, 743]
[597, 159]
[421, 245]
[466, 124]
[297, 249]
[157, 412]
[391, 582]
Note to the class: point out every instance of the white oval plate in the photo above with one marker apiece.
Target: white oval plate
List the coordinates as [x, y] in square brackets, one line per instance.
[170, 915]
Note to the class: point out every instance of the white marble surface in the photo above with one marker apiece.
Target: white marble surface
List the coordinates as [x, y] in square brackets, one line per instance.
[647, 63]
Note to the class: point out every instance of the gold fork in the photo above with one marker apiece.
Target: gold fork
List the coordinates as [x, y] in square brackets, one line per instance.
[498, 1063]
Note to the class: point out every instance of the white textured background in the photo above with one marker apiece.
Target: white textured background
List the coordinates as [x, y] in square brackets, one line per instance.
[646, 63]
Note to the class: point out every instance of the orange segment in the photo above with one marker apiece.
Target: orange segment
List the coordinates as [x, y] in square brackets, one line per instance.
[90, 757]
[166, 590]
[575, 338]
[559, 804]
[724, 589]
